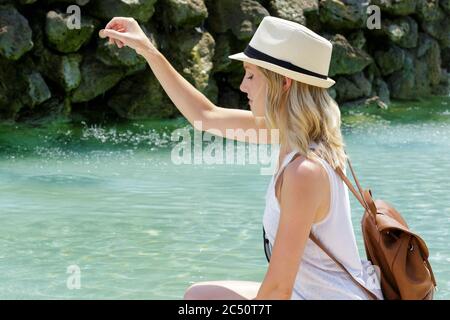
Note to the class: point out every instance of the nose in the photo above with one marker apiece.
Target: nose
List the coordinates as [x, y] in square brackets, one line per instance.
[242, 86]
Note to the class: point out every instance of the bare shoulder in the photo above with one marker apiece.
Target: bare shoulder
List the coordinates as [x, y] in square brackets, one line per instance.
[305, 173]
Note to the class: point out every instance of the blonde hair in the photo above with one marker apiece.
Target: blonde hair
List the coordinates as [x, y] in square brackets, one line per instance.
[305, 114]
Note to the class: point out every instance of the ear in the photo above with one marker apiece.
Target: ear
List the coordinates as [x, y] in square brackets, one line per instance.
[287, 83]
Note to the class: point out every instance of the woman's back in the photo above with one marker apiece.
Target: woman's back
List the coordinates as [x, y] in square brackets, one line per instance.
[319, 277]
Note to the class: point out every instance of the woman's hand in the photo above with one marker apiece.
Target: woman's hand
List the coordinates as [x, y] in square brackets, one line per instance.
[127, 32]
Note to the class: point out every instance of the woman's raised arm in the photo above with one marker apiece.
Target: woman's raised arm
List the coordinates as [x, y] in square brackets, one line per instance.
[194, 105]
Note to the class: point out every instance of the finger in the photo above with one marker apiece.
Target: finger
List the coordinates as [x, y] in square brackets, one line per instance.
[113, 34]
[114, 21]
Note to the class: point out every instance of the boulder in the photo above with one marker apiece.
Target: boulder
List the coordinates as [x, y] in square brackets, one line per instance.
[242, 17]
[63, 70]
[184, 13]
[402, 31]
[443, 87]
[346, 59]
[402, 82]
[124, 57]
[381, 89]
[427, 65]
[428, 10]
[56, 109]
[343, 14]
[293, 10]
[420, 73]
[357, 39]
[352, 87]
[396, 7]
[69, 2]
[96, 78]
[141, 97]
[439, 27]
[112, 55]
[66, 40]
[36, 90]
[390, 60]
[15, 34]
[192, 52]
[21, 85]
[141, 10]
[445, 5]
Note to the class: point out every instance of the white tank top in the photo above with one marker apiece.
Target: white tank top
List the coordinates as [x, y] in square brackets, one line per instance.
[318, 276]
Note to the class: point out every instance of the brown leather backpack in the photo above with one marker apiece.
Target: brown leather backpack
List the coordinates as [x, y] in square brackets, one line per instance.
[400, 254]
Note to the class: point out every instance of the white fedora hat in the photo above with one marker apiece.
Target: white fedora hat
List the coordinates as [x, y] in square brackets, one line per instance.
[290, 49]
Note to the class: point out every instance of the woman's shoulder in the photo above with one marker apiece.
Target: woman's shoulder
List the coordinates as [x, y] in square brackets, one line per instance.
[301, 172]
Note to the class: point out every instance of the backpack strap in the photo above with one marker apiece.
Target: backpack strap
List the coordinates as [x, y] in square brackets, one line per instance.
[319, 244]
[359, 196]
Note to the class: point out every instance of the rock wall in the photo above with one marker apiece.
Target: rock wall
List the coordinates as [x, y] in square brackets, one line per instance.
[50, 72]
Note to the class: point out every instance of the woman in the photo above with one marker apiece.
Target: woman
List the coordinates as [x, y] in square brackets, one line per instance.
[286, 79]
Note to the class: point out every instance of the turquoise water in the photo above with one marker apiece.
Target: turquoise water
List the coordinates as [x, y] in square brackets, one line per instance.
[108, 200]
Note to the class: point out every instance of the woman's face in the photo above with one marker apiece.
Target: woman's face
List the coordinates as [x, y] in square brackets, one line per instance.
[254, 85]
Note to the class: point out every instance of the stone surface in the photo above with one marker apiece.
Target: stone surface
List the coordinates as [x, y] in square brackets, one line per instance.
[141, 97]
[341, 14]
[390, 60]
[345, 58]
[192, 54]
[401, 31]
[242, 17]
[64, 39]
[15, 34]
[352, 87]
[141, 10]
[293, 10]
[185, 13]
[96, 78]
[396, 7]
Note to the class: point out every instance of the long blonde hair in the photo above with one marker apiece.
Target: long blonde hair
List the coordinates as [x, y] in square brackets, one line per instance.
[305, 114]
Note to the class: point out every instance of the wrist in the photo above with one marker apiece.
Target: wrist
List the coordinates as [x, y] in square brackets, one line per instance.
[148, 51]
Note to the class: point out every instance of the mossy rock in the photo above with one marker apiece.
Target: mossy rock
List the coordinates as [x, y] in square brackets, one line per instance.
[15, 33]
[141, 10]
[342, 15]
[141, 97]
[96, 78]
[242, 17]
[65, 39]
[345, 58]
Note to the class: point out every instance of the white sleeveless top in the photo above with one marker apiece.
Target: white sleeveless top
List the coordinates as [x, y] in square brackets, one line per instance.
[319, 277]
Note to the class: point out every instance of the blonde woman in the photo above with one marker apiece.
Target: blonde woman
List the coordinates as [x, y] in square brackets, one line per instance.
[286, 67]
